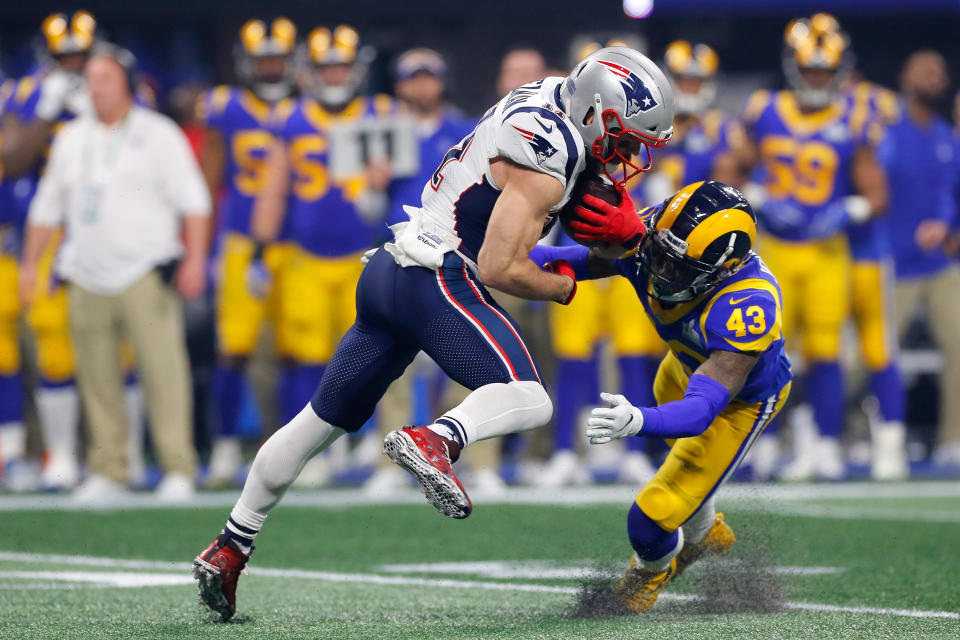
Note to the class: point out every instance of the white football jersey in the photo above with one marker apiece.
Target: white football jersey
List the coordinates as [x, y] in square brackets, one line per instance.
[527, 127]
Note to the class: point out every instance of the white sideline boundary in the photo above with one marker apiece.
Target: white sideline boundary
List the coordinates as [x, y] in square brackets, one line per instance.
[757, 495]
[374, 579]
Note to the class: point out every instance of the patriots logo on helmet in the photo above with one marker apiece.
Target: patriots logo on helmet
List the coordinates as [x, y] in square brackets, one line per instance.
[541, 146]
[639, 98]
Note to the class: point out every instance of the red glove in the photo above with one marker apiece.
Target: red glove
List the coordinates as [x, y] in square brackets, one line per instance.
[598, 221]
[563, 268]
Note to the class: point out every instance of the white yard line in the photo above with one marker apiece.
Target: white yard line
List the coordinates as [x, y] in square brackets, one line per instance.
[572, 496]
[375, 579]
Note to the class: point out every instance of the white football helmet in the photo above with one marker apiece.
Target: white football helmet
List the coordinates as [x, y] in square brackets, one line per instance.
[622, 104]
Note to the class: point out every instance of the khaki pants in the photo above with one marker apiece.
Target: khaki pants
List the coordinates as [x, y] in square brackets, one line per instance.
[149, 315]
[939, 295]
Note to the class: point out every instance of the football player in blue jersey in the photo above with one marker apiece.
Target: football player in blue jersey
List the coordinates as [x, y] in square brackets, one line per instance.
[819, 176]
[36, 108]
[481, 213]
[724, 378]
[234, 161]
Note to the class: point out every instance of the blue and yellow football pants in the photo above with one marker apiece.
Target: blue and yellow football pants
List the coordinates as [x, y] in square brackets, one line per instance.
[49, 319]
[696, 467]
[602, 308]
[873, 312]
[9, 309]
[318, 304]
[814, 279]
[240, 315]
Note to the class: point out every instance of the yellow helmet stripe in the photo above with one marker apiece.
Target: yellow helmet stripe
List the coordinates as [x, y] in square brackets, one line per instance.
[676, 205]
[715, 226]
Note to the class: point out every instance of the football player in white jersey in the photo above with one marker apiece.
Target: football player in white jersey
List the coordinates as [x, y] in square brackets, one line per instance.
[490, 200]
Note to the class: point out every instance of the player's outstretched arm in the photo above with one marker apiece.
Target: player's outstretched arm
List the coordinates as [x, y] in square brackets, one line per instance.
[708, 392]
[515, 225]
[23, 144]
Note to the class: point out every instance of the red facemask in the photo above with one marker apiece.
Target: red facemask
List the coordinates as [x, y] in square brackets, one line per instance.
[621, 145]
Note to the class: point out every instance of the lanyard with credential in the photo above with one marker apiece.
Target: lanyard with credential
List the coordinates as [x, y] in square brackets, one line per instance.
[91, 187]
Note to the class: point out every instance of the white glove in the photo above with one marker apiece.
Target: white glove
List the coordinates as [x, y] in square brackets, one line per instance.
[858, 208]
[755, 194]
[620, 420]
[57, 92]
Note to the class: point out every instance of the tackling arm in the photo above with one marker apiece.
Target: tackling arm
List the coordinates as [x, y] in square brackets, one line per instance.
[709, 390]
[515, 226]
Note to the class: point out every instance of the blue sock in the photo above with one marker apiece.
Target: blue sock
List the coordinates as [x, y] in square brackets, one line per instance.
[576, 386]
[887, 386]
[47, 383]
[646, 537]
[11, 398]
[636, 383]
[825, 394]
[228, 396]
[298, 384]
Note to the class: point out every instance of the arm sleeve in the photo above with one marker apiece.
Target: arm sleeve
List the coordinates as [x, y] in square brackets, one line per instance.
[541, 141]
[49, 205]
[744, 320]
[182, 180]
[212, 106]
[703, 401]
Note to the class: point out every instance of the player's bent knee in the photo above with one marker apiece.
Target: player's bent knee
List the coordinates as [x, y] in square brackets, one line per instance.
[535, 402]
[649, 539]
[659, 503]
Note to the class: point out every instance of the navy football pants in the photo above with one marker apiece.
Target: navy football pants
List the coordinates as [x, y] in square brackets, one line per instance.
[447, 314]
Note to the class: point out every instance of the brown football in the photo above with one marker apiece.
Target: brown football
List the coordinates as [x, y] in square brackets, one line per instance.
[594, 185]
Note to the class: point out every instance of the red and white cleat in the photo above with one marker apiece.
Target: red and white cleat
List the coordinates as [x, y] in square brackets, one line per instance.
[428, 457]
[217, 571]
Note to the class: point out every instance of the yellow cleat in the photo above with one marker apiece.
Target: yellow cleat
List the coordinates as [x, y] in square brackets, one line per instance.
[638, 589]
[718, 540]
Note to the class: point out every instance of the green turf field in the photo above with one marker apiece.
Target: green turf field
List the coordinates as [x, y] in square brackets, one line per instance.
[865, 562]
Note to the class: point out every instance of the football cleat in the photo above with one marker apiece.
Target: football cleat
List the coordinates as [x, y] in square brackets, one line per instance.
[429, 456]
[217, 571]
[639, 588]
[718, 540]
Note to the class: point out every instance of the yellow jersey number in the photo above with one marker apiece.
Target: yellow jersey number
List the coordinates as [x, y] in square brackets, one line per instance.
[757, 326]
[249, 150]
[804, 170]
[309, 173]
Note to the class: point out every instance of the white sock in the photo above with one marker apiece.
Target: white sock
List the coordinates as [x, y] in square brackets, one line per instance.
[281, 458]
[243, 526]
[59, 409]
[136, 467]
[13, 442]
[700, 523]
[662, 563]
[498, 409]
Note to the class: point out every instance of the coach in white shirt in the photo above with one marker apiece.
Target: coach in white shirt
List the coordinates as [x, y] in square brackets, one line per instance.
[126, 186]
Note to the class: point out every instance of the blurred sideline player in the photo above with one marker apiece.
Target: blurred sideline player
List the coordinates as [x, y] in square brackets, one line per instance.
[37, 107]
[330, 221]
[602, 310]
[872, 302]
[420, 85]
[495, 193]
[818, 176]
[233, 159]
[725, 377]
